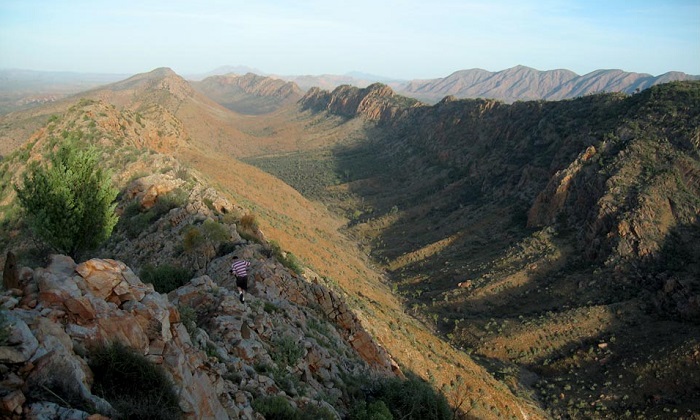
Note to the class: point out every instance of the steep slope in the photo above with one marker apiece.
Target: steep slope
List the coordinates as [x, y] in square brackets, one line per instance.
[375, 102]
[558, 237]
[299, 226]
[249, 94]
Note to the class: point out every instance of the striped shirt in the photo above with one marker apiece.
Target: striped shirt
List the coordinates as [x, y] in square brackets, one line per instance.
[240, 268]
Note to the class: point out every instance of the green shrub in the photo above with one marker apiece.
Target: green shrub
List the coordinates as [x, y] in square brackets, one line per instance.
[275, 408]
[270, 307]
[165, 278]
[188, 317]
[135, 387]
[226, 248]
[132, 209]
[287, 352]
[133, 226]
[413, 398]
[173, 199]
[316, 412]
[376, 410]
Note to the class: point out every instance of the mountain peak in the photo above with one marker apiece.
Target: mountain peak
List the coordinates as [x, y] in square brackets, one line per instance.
[162, 71]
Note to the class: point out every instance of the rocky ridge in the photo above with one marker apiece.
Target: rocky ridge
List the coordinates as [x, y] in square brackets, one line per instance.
[62, 311]
[376, 102]
[235, 92]
[58, 312]
[65, 308]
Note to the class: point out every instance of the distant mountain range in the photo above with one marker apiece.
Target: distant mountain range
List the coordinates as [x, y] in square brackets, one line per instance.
[20, 89]
[525, 83]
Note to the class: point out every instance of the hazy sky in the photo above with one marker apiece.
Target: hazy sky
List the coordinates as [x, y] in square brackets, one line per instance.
[406, 39]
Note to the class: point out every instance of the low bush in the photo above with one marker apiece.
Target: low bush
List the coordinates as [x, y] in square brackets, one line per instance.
[287, 259]
[249, 222]
[376, 410]
[135, 387]
[275, 408]
[287, 352]
[248, 228]
[278, 408]
[165, 278]
[188, 317]
[173, 199]
[135, 220]
[413, 398]
[316, 412]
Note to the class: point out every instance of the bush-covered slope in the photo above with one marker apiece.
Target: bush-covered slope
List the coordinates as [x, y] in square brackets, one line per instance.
[559, 237]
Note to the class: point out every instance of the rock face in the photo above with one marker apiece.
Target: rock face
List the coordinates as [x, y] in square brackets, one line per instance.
[221, 354]
[68, 308]
[376, 102]
[278, 285]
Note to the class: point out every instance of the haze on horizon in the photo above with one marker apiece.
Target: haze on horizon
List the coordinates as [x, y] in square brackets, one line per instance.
[408, 39]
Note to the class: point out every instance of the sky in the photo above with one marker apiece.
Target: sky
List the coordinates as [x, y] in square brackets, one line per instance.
[408, 39]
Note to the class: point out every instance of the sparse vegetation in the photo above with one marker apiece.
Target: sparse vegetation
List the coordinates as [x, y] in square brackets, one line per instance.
[135, 221]
[287, 259]
[533, 295]
[188, 317]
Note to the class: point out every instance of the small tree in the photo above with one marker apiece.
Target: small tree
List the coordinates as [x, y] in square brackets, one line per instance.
[69, 203]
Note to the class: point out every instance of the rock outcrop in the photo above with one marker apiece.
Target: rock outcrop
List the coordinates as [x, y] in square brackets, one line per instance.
[376, 102]
[220, 358]
[65, 309]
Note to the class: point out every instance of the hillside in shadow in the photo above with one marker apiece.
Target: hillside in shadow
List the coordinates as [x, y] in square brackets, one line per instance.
[554, 241]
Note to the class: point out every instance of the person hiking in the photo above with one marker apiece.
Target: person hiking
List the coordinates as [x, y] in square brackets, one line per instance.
[239, 268]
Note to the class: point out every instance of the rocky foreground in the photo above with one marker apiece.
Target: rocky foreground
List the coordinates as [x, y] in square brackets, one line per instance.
[291, 338]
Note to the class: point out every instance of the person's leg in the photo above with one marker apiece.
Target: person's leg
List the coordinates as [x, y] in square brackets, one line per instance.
[241, 283]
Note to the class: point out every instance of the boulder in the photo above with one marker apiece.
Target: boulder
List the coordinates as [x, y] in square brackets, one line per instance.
[21, 343]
